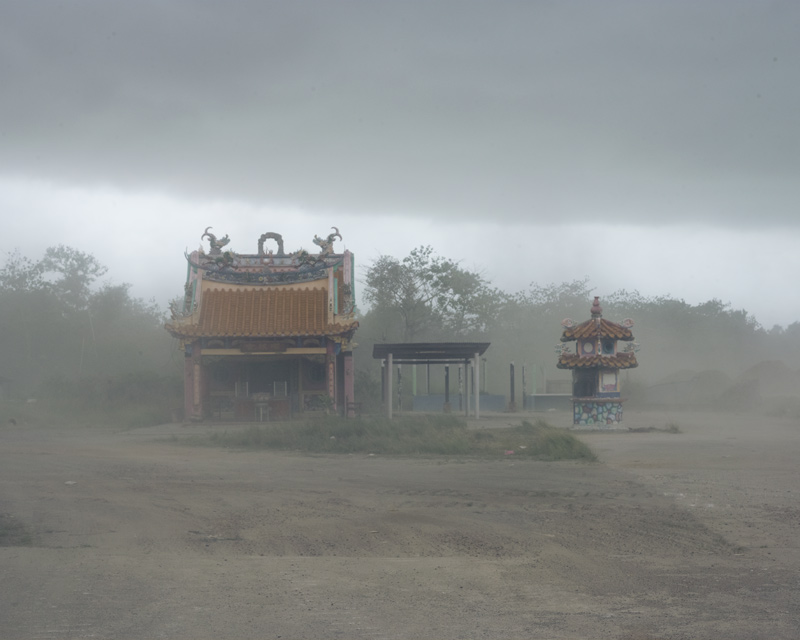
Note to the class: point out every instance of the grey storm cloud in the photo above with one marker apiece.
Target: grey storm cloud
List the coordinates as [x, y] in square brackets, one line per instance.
[636, 112]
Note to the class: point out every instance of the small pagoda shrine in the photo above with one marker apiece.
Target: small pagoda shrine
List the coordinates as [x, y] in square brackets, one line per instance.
[596, 365]
[267, 335]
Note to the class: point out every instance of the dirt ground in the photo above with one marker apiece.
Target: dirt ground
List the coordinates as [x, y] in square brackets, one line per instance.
[670, 535]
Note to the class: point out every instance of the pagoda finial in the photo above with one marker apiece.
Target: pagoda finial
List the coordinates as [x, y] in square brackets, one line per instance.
[597, 310]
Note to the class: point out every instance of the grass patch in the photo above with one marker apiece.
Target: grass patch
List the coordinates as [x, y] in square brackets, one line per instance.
[71, 413]
[13, 533]
[443, 435]
[670, 427]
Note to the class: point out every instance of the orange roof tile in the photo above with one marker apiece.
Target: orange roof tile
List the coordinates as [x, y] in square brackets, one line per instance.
[618, 361]
[257, 313]
[593, 329]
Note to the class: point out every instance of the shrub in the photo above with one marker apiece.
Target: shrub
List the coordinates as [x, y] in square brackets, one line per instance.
[424, 435]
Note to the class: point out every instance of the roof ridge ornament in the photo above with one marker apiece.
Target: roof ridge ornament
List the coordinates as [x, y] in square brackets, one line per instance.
[216, 245]
[596, 310]
[271, 235]
[326, 244]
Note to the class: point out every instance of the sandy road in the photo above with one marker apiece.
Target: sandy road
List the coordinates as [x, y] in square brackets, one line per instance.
[689, 535]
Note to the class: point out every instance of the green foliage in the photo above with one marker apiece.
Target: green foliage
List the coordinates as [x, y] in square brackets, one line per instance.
[547, 442]
[21, 274]
[669, 427]
[425, 297]
[430, 295]
[368, 391]
[676, 335]
[56, 321]
[445, 435]
[71, 274]
[127, 401]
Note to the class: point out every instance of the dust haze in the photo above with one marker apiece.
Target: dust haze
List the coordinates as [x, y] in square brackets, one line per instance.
[650, 145]
[133, 534]
[113, 524]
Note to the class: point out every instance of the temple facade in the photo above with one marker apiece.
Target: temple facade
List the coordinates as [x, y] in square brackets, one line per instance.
[595, 365]
[267, 335]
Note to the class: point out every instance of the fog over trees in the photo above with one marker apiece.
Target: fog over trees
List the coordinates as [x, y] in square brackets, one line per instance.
[67, 333]
[425, 297]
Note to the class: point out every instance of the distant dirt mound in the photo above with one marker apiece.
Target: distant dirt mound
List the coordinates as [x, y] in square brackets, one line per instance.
[771, 378]
[690, 388]
[761, 385]
[762, 382]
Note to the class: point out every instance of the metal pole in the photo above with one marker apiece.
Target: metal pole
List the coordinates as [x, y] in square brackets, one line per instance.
[524, 389]
[389, 392]
[477, 375]
[469, 385]
[399, 387]
[428, 378]
[447, 388]
[460, 389]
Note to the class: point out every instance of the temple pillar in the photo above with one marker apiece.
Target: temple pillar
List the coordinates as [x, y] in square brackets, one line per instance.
[193, 382]
[330, 368]
[349, 385]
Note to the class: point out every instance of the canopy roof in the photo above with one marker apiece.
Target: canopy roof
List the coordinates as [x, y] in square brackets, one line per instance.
[261, 313]
[429, 352]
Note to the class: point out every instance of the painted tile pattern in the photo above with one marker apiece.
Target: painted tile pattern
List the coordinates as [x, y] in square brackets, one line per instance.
[589, 412]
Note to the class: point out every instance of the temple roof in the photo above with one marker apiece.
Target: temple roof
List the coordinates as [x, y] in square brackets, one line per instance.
[266, 267]
[260, 313]
[619, 361]
[597, 328]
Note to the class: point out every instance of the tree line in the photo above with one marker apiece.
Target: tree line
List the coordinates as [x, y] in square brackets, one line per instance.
[66, 333]
[426, 297]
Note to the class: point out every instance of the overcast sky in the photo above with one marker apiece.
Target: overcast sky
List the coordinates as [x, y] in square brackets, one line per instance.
[647, 145]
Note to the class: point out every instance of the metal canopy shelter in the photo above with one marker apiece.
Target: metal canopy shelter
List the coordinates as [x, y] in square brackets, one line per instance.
[431, 353]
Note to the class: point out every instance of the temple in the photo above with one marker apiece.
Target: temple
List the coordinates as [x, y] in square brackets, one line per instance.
[267, 335]
[596, 396]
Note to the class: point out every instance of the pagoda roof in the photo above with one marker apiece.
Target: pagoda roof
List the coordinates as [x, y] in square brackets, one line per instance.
[261, 313]
[597, 328]
[618, 361]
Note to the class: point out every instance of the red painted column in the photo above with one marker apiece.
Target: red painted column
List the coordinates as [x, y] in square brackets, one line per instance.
[330, 366]
[193, 382]
[349, 384]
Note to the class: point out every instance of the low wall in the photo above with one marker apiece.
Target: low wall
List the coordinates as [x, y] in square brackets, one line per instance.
[435, 403]
[549, 402]
[496, 403]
